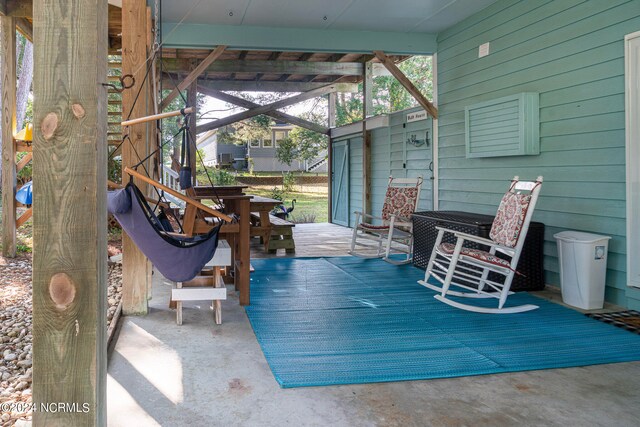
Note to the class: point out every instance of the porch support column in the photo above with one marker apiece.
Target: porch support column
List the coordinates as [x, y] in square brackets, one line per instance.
[332, 110]
[8, 76]
[70, 215]
[135, 268]
[367, 111]
[192, 101]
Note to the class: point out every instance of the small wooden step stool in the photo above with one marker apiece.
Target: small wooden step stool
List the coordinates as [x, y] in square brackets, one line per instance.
[208, 286]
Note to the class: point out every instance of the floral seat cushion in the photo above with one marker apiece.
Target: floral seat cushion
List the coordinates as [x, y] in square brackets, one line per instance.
[478, 254]
[509, 219]
[399, 201]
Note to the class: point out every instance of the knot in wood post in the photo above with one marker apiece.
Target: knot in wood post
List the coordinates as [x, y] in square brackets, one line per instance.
[62, 290]
[78, 111]
[49, 125]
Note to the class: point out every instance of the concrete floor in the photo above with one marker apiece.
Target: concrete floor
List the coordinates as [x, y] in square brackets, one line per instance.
[202, 374]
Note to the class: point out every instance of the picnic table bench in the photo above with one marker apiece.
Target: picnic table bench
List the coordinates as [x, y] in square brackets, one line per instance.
[280, 235]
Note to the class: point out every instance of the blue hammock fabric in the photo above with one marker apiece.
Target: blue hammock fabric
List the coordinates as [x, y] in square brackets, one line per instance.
[177, 258]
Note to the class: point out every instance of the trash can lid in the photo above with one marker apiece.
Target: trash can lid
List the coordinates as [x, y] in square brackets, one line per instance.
[579, 237]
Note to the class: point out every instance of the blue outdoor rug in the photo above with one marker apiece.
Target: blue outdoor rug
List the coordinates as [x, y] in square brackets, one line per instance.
[345, 320]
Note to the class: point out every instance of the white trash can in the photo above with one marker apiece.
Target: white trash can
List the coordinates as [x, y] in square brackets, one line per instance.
[583, 268]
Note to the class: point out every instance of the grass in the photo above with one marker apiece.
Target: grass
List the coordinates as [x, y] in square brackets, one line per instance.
[308, 204]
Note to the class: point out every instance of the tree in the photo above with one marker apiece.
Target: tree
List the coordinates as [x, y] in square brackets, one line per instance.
[302, 144]
[388, 94]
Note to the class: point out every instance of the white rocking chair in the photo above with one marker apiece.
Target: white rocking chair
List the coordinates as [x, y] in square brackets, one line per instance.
[467, 268]
[394, 233]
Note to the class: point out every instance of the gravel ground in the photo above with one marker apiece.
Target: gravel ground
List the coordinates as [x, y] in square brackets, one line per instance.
[16, 338]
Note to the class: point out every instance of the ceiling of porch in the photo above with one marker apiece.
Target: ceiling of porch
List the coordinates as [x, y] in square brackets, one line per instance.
[407, 16]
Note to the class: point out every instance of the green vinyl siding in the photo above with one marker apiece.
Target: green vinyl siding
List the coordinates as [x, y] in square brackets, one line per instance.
[572, 54]
[407, 160]
[355, 181]
[379, 167]
[390, 155]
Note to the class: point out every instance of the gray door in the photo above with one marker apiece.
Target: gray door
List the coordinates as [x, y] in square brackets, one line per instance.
[340, 183]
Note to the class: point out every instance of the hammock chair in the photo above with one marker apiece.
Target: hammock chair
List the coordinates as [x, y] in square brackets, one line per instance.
[179, 258]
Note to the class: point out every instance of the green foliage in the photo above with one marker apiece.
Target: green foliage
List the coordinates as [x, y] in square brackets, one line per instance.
[222, 177]
[24, 175]
[302, 144]
[171, 126]
[388, 94]
[278, 194]
[288, 182]
[22, 248]
[255, 128]
[286, 151]
[114, 169]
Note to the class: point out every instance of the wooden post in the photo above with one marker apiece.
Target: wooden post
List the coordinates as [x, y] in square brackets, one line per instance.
[192, 100]
[332, 110]
[367, 110]
[366, 171]
[367, 89]
[70, 214]
[8, 76]
[330, 180]
[135, 269]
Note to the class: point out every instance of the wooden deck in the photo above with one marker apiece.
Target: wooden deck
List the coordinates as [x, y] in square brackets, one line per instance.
[321, 239]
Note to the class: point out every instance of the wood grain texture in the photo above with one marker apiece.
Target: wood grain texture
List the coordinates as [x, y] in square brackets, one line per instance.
[193, 76]
[8, 76]
[134, 54]
[70, 215]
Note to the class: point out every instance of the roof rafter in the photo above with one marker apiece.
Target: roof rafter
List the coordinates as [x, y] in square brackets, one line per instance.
[263, 109]
[193, 75]
[275, 114]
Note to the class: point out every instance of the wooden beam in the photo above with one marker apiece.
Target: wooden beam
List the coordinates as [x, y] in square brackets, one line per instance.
[159, 116]
[182, 65]
[264, 85]
[406, 83]
[8, 76]
[193, 76]
[20, 8]
[134, 54]
[70, 215]
[178, 195]
[25, 27]
[275, 114]
[24, 217]
[267, 108]
[23, 162]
